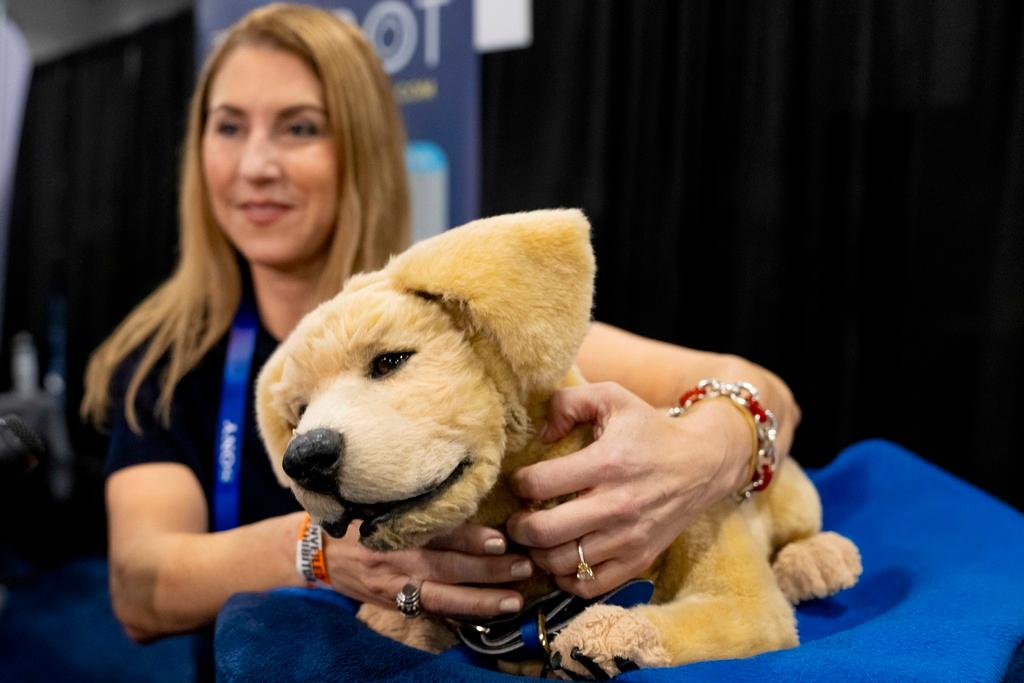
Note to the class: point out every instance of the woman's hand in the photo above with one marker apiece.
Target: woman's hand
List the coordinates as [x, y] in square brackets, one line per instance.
[470, 554]
[641, 482]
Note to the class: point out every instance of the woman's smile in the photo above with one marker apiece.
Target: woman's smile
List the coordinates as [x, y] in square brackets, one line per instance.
[264, 212]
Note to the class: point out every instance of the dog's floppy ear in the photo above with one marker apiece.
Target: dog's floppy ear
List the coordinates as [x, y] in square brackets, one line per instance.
[526, 279]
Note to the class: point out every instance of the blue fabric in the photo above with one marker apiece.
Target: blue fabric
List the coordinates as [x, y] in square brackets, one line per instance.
[941, 599]
[56, 624]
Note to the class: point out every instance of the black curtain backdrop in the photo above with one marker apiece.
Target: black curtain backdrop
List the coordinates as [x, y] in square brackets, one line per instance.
[833, 190]
[93, 229]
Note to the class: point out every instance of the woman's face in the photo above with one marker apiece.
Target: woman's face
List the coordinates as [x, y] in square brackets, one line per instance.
[269, 161]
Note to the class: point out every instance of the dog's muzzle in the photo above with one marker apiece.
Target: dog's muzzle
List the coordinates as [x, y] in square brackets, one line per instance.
[313, 458]
[375, 514]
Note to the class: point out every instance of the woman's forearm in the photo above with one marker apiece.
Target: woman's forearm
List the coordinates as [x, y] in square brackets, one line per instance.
[659, 373]
[775, 395]
[172, 582]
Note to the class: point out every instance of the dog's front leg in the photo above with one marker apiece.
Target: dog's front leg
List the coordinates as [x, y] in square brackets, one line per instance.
[422, 633]
[727, 605]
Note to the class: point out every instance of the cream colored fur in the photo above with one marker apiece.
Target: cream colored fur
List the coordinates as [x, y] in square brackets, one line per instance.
[495, 312]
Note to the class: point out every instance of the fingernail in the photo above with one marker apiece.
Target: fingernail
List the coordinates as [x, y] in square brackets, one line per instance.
[494, 546]
[509, 605]
[522, 569]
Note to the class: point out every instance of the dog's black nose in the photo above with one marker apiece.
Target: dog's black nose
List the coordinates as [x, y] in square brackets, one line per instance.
[313, 458]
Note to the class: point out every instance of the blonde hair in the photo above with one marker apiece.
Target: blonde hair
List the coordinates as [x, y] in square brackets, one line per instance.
[193, 309]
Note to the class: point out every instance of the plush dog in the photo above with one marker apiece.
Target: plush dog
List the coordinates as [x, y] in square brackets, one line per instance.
[407, 400]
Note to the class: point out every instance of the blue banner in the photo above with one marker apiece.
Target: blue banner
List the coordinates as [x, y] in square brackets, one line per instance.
[427, 49]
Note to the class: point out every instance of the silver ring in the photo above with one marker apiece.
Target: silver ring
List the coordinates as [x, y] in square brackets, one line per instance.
[408, 600]
[583, 570]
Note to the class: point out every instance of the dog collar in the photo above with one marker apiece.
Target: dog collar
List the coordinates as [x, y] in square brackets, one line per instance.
[526, 634]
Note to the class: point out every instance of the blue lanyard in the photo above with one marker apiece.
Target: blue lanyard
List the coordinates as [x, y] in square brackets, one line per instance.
[231, 419]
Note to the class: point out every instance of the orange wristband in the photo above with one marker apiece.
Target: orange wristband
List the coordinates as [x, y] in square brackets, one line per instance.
[309, 555]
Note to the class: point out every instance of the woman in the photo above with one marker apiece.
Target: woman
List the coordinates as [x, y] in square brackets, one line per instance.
[293, 179]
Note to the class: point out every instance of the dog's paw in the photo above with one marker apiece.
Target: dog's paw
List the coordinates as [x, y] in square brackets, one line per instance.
[605, 641]
[817, 567]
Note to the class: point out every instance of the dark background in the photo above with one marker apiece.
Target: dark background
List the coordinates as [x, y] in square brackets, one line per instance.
[832, 190]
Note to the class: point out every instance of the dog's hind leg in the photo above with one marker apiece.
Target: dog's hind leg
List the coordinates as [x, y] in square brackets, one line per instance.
[816, 567]
[808, 563]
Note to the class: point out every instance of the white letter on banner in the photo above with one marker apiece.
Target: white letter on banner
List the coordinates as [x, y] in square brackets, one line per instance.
[394, 16]
[432, 30]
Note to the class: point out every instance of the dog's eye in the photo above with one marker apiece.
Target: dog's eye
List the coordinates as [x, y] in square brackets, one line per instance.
[386, 363]
[298, 410]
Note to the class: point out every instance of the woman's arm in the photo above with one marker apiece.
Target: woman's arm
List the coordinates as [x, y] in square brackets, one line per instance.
[647, 475]
[169, 575]
[659, 373]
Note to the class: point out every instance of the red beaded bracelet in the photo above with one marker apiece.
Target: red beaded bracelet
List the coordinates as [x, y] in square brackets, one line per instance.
[744, 396]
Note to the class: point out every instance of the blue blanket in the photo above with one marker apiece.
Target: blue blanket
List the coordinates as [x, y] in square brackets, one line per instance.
[941, 599]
